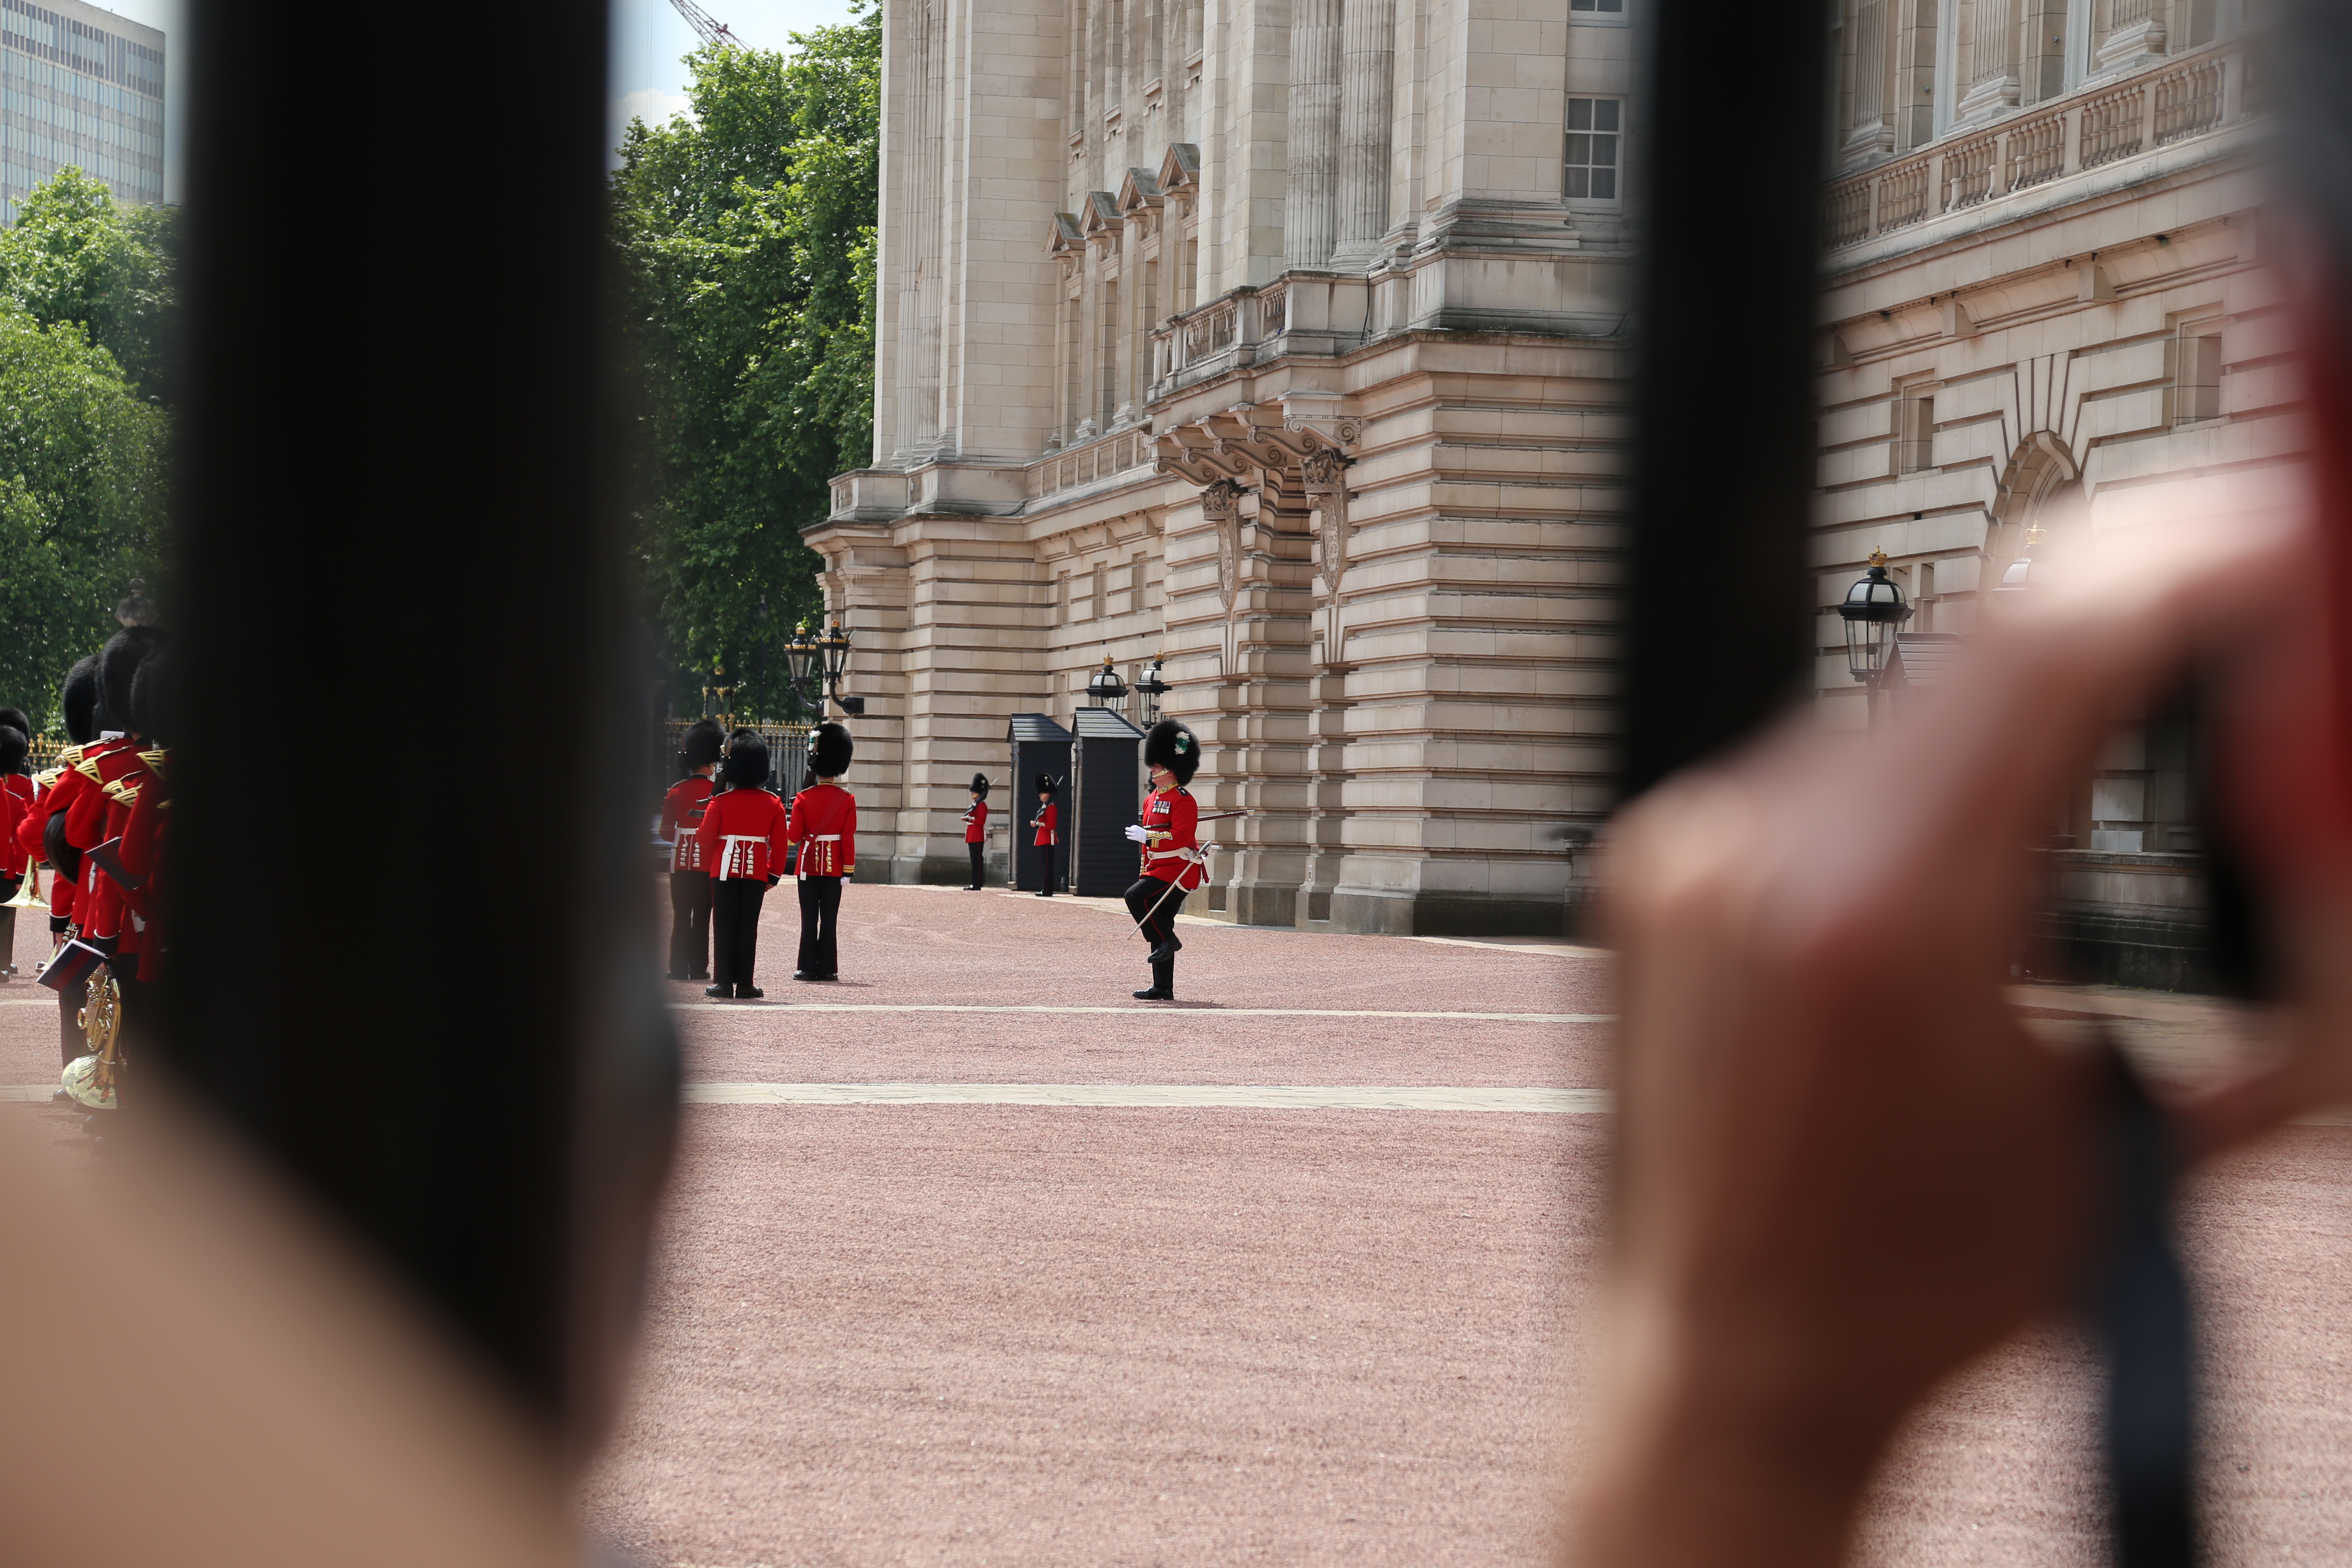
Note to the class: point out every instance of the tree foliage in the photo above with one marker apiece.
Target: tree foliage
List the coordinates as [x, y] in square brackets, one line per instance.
[77, 255]
[747, 235]
[85, 297]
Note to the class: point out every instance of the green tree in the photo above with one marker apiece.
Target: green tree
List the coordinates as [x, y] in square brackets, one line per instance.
[75, 254]
[747, 235]
[82, 500]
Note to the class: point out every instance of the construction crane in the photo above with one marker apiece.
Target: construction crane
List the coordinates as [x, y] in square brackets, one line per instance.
[706, 27]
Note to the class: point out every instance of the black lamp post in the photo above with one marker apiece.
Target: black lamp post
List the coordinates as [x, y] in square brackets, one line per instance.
[1872, 609]
[1105, 687]
[1153, 690]
[835, 644]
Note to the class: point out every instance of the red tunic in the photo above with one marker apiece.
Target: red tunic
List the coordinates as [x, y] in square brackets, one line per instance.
[1171, 817]
[31, 826]
[18, 796]
[89, 814]
[975, 823]
[134, 819]
[742, 834]
[824, 825]
[681, 815]
[1048, 818]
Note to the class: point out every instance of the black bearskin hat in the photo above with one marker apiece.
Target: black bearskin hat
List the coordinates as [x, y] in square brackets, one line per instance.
[150, 696]
[1045, 783]
[117, 666]
[1170, 745]
[11, 749]
[980, 785]
[704, 743]
[79, 699]
[830, 750]
[15, 719]
[746, 766]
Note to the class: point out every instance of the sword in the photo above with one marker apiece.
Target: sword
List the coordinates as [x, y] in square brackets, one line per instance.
[1196, 858]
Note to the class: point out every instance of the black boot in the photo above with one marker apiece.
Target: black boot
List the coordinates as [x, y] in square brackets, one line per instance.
[723, 993]
[1163, 982]
[1169, 949]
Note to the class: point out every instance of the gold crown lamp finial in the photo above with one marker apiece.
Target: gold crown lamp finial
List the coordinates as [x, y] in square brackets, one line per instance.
[1878, 558]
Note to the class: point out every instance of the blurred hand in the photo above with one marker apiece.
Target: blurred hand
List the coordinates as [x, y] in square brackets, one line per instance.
[1135, 833]
[1845, 1168]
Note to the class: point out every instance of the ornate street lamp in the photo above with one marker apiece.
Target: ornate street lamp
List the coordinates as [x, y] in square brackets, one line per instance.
[1105, 687]
[1871, 610]
[2020, 574]
[835, 644]
[798, 653]
[1153, 690]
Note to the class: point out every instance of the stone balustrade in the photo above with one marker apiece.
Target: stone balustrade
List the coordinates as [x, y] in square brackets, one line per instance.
[2100, 124]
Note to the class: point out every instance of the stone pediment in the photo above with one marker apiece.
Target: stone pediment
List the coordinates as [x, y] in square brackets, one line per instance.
[1180, 170]
[1138, 194]
[1101, 222]
[1064, 241]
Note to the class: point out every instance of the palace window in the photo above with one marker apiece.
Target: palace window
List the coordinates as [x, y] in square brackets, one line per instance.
[1915, 435]
[1586, 10]
[1594, 137]
[2196, 375]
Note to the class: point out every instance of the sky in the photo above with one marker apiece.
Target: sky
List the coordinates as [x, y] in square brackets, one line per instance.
[648, 40]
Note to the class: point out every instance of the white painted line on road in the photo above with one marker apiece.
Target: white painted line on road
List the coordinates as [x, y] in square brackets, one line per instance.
[9, 1091]
[1138, 1012]
[1243, 1097]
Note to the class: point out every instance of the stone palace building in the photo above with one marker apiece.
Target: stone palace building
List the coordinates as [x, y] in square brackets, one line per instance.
[1286, 339]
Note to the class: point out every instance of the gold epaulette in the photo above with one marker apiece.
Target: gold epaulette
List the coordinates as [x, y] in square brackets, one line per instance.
[87, 768]
[156, 761]
[122, 793]
[68, 756]
[47, 781]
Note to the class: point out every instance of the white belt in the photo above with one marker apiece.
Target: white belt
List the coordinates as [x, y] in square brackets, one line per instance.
[1167, 854]
[727, 860]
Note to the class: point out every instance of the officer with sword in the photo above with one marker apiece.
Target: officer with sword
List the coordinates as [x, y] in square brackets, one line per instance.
[1173, 858]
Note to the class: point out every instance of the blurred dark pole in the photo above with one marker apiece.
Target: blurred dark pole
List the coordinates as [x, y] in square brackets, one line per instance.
[412, 965]
[1720, 617]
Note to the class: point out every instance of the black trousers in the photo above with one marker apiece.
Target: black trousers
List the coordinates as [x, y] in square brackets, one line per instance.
[735, 928]
[820, 913]
[689, 924]
[976, 849]
[134, 1014]
[1047, 886]
[1157, 924]
[8, 886]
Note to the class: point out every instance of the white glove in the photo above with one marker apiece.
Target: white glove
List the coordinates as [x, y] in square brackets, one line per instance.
[1135, 833]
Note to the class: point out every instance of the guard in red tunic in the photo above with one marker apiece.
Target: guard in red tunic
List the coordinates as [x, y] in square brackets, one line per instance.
[689, 878]
[44, 833]
[742, 844]
[18, 798]
[975, 827]
[824, 831]
[1171, 851]
[1048, 823]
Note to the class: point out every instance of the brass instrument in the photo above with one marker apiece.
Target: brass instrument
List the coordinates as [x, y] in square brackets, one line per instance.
[90, 1078]
[28, 896]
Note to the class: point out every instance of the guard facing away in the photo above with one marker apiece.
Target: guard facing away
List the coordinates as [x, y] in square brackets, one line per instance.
[689, 878]
[741, 840]
[1171, 852]
[42, 834]
[975, 827]
[1047, 822]
[825, 832]
[18, 799]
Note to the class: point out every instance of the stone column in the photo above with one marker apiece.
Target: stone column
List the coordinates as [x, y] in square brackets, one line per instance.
[1310, 208]
[1366, 67]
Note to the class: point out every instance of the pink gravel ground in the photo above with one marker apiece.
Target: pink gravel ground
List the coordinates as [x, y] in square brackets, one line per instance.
[988, 1334]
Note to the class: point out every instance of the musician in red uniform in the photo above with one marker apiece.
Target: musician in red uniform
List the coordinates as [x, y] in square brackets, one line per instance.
[115, 769]
[1047, 822]
[18, 797]
[742, 844]
[825, 832]
[975, 827]
[44, 833]
[689, 878]
[1171, 852]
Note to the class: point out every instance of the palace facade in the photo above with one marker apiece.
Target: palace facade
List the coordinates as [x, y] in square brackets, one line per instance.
[1284, 340]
